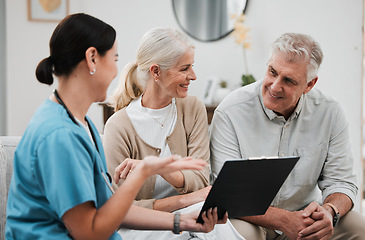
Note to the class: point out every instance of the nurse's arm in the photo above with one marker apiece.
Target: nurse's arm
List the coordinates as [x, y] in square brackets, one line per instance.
[84, 221]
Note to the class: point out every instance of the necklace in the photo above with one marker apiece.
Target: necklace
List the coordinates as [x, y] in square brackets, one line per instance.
[162, 124]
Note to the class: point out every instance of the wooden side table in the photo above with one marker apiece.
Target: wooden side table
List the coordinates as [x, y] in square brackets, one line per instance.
[210, 112]
[108, 111]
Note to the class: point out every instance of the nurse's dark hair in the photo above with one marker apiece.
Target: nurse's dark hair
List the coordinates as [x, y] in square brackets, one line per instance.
[69, 42]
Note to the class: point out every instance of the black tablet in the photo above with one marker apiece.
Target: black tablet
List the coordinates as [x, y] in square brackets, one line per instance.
[246, 187]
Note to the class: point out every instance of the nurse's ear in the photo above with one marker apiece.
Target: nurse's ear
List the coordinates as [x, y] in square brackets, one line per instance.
[91, 55]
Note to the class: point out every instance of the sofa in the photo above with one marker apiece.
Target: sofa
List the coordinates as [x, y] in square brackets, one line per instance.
[7, 148]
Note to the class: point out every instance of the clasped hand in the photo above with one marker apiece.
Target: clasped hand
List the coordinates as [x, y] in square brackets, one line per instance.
[314, 222]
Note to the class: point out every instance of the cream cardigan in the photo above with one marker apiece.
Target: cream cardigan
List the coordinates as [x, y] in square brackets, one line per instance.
[189, 138]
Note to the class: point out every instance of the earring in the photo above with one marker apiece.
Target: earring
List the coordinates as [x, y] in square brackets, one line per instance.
[93, 71]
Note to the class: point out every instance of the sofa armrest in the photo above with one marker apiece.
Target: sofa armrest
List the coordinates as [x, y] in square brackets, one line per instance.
[7, 149]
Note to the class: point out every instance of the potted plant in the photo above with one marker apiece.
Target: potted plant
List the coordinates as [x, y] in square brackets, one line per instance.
[239, 33]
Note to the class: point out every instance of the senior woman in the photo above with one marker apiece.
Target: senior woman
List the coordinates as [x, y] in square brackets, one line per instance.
[155, 116]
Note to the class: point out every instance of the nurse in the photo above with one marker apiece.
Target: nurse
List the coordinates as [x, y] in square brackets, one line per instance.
[60, 187]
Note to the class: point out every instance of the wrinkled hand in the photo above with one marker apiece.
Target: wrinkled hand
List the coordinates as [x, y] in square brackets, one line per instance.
[296, 223]
[196, 196]
[152, 165]
[322, 227]
[210, 218]
[125, 168]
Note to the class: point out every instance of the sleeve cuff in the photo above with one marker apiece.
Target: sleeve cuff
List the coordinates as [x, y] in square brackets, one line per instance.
[145, 203]
[351, 193]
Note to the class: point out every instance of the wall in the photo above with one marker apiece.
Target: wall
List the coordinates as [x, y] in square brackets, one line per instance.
[2, 68]
[336, 24]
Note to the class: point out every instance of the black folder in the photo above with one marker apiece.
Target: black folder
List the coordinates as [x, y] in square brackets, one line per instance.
[246, 187]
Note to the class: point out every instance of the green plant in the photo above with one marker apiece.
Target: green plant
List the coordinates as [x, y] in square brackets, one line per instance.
[247, 79]
[223, 84]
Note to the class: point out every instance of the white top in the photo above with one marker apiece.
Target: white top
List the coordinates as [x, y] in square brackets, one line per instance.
[153, 126]
[86, 127]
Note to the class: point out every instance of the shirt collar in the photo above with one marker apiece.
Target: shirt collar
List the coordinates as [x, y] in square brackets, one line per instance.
[272, 115]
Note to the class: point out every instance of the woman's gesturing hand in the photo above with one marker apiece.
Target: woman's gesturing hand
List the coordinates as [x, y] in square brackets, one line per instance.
[152, 165]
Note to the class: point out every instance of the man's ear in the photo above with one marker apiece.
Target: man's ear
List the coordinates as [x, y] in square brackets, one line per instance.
[91, 56]
[155, 71]
[310, 85]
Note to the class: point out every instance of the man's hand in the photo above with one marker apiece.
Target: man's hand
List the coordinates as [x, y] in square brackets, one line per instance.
[290, 223]
[322, 227]
[296, 222]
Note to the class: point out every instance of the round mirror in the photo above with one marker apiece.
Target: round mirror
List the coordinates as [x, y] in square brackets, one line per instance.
[207, 20]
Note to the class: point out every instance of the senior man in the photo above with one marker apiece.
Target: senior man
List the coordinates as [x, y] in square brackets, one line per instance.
[284, 115]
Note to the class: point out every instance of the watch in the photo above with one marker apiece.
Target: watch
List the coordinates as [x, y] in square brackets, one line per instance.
[176, 229]
[337, 215]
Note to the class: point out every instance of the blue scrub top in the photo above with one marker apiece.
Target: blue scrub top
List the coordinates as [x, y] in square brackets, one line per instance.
[56, 167]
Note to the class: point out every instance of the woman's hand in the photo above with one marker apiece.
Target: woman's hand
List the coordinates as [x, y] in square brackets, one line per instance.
[125, 168]
[195, 197]
[210, 218]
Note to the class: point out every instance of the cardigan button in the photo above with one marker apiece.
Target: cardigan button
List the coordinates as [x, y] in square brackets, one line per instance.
[158, 150]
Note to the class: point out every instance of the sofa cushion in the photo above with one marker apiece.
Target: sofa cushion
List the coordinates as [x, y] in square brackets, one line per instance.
[7, 148]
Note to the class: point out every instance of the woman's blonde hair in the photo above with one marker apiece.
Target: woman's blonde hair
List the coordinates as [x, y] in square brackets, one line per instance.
[162, 46]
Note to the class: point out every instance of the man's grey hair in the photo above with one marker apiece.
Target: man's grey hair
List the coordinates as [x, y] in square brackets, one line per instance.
[302, 47]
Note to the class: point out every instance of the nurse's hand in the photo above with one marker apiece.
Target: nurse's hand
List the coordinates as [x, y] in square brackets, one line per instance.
[152, 165]
[210, 218]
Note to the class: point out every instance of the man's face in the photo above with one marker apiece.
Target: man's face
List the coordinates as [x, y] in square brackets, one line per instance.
[284, 84]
